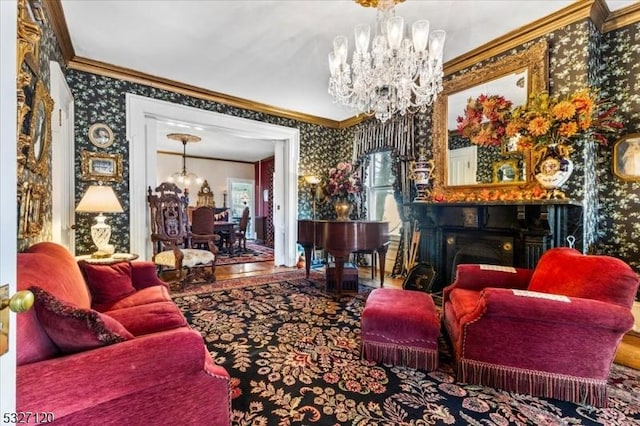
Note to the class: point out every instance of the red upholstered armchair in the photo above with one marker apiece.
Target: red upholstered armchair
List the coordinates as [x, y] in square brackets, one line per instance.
[550, 332]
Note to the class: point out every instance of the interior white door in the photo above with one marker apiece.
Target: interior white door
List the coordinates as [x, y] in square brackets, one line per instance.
[463, 165]
[62, 172]
[8, 220]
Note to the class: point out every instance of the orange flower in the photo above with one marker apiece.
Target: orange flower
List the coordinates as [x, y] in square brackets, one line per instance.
[583, 102]
[546, 120]
[539, 126]
[568, 129]
[563, 111]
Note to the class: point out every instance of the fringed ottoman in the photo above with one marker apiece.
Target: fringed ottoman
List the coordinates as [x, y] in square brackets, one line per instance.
[401, 327]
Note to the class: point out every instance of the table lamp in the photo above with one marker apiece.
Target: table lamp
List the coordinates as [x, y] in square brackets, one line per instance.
[100, 199]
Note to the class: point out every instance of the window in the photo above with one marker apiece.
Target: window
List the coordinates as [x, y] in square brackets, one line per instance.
[381, 205]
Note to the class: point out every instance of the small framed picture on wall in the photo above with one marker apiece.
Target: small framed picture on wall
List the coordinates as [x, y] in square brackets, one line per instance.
[101, 167]
[626, 157]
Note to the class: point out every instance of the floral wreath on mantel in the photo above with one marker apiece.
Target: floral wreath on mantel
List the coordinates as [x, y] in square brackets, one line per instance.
[485, 120]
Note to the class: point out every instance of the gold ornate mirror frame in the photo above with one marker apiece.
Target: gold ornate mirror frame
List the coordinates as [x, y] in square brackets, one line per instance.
[40, 130]
[535, 60]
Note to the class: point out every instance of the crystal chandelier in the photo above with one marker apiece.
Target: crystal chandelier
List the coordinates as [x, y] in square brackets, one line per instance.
[184, 178]
[398, 74]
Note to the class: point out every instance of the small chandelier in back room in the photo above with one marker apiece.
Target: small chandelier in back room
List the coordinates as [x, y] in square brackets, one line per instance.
[184, 178]
[398, 74]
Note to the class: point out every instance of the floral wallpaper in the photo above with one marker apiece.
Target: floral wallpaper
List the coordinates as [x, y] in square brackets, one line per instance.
[578, 55]
[102, 99]
[618, 212]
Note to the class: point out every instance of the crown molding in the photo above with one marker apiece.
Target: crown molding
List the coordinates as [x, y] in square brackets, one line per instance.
[200, 157]
[53, 8]
[621, 18]
[127, 74]
[570, 14]
[596, 10]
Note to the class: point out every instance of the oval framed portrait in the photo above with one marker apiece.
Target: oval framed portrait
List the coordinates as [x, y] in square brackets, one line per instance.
[100, 135]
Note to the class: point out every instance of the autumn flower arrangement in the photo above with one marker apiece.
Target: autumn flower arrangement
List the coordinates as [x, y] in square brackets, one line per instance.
[485, 120]
[341, 182]
[547, 120]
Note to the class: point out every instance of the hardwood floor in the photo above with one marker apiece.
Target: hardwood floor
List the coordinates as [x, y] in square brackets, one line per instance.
[224, 272]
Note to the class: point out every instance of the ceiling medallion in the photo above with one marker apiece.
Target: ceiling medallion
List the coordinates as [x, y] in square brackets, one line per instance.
[398, 74]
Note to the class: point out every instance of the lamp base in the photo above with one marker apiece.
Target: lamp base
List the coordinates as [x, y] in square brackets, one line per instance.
[100, 255]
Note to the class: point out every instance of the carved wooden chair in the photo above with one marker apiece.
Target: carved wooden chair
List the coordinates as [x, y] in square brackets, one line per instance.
[241, 230]
[172, 240]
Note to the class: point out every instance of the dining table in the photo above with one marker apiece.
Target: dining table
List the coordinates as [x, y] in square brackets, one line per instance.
[226, 232]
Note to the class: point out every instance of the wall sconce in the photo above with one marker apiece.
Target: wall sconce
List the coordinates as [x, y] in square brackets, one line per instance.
[100, 199]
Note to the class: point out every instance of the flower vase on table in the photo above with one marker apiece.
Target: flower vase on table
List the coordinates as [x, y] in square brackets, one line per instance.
[343, 209]
[342, 185]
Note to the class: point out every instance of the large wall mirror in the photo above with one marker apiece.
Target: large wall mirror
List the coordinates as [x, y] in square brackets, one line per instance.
[463, 166]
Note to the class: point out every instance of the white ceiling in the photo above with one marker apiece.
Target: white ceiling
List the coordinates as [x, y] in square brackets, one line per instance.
[271, 52]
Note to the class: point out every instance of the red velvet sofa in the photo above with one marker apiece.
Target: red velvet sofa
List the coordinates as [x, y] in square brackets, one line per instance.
[550, 332]
[110, 347]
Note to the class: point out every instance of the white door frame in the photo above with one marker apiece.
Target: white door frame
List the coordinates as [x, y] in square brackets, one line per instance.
[62, 153]
[8, 216]
[142, 113]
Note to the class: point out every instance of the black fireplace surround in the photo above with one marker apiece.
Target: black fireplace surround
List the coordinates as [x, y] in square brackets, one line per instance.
[494, 232]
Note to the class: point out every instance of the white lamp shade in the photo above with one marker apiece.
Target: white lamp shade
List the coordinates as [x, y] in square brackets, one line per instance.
[99, 198]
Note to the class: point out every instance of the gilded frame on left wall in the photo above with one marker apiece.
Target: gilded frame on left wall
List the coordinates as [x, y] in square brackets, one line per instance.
[32, 200]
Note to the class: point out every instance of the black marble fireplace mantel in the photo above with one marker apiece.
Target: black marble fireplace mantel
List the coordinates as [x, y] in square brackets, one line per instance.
[509, 233]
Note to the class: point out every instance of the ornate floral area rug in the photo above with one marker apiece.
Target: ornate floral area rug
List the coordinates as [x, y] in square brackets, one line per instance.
[293, 353]
[253, 253]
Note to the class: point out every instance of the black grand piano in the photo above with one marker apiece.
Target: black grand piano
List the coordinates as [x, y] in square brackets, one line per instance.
[341, 238]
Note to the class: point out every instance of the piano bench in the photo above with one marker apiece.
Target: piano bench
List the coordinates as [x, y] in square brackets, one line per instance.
[400, 327]
[349, 277]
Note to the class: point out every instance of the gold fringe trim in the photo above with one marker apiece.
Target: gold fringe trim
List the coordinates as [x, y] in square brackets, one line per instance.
[408, 356]
[574, 389]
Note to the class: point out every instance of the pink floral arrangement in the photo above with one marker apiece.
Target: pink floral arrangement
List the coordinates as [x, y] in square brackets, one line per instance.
[341, 182]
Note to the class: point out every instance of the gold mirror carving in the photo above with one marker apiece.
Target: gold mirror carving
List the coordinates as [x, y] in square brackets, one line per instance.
[533, 62]
[35, 107]
[40, 130]
[33, 198]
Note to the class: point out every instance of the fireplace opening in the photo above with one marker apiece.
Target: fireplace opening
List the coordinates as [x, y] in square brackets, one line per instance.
[481, 248]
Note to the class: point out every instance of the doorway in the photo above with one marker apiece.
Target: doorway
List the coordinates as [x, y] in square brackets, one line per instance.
[142, 114]
[241, 195]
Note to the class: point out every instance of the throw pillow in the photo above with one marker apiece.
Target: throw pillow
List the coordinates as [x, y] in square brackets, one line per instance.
[75, 329]
[108, 283]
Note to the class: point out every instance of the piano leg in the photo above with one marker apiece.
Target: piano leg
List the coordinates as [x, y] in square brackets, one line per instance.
[382, 255]
[307, 257]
